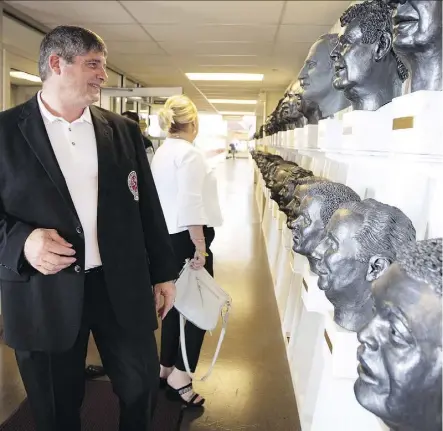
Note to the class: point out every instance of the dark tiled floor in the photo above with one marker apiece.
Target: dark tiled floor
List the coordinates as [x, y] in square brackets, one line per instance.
[251, 387]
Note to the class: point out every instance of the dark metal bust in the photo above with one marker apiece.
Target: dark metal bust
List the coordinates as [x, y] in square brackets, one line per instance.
[283, 171]
[316, 78]
[291, 106]
[318, 204]
[366, 68]
[296, 178]
[400, 356]
[291, 208]
[310, 110]
[418, 41]
[361, 240]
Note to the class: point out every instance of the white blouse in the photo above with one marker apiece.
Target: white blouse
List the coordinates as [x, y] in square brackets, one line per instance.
[186, 185]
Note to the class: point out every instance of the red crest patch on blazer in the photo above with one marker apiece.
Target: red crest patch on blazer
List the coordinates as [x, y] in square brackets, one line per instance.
[133, 184]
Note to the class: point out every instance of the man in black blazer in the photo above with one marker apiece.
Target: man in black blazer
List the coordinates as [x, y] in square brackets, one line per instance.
[82, 240]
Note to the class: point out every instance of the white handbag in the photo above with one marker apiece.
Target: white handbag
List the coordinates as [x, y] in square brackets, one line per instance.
[202, 301]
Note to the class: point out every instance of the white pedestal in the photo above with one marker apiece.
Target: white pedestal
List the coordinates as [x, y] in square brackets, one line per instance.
[367, 130]
[313, 298]
[417, 125]
[330, 134]
[311, 136]
[299, 138]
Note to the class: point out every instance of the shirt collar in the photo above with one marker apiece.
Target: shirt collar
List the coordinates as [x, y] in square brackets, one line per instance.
[51, 118]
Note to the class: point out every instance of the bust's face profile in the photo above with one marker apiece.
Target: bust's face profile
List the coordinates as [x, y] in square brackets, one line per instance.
[316, 74]
[340, 274]
[400, 355]
[353, 60]
[307, 228]
[417, 24]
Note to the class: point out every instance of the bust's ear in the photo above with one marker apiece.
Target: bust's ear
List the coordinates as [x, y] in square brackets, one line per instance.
[384, 45]
[377, 266]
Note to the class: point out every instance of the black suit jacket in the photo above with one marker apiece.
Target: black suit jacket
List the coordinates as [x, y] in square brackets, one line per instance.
[44, 312]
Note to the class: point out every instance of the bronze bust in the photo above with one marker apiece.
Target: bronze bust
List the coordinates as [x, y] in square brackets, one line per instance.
[400, 355]
[367, 69]
[360, 241]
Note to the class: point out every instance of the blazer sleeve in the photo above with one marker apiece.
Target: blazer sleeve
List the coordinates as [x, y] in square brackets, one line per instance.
[13, 235]
[157, 240]
[191, 174]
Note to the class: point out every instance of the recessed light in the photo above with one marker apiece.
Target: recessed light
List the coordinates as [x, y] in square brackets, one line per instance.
[233, 101]
[23, 75]
[225, 76]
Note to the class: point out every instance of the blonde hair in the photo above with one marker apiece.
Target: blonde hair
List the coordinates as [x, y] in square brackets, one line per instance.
[177, 113]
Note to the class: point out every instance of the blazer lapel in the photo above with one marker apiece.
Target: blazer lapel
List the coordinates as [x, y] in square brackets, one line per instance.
[34, 131]
[106, 155]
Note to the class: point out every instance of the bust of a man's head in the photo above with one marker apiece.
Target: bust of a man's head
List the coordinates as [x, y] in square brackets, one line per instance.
[317, 205]
[366, 67]
[283, 171]
[400, 355]
[300, 189]
[418, 41]
[286, 193]
[361, 240]
[291, 105]
[316, 75]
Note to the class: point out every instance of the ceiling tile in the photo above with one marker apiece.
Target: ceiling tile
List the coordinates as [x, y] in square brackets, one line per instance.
[214, 48]
[318, 12]
[129, 48]
[73, 12]
[300, 33]
[211, 12]
[205, 33]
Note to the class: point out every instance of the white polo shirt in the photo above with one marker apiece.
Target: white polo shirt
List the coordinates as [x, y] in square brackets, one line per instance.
[75, 148]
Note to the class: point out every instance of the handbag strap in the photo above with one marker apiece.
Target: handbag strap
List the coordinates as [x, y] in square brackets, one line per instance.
[217, 350]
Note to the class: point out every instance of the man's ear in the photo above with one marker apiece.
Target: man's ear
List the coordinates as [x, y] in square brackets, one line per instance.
[383, 46]
[54, 64]
[377, 266]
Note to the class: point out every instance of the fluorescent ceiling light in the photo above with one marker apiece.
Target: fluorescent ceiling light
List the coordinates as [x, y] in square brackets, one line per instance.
[235, 113]
[233, 101]
[23, 75]
[225, 76]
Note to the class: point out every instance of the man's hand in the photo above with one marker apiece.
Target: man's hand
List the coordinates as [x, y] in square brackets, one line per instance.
[48, 252]
[167, 290]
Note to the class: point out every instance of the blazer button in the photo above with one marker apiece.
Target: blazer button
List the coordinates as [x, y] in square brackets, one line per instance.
[79, 230]
[77, 268]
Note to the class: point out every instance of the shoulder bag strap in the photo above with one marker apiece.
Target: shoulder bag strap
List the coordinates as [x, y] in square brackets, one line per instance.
[217, 350]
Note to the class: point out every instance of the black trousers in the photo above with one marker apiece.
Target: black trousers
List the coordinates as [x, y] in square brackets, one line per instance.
[170, 340]
[55, 382]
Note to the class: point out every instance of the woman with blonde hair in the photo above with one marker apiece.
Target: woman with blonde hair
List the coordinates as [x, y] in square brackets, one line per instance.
[187, 189]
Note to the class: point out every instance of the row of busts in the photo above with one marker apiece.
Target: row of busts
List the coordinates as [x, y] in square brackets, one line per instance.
[381, 44]
[382, 284]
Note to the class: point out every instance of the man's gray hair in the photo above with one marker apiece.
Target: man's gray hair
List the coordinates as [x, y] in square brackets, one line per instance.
[422, 261]
[67, 42]
[385, 229]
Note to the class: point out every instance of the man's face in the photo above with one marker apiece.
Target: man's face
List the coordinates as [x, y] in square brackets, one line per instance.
[81, 81]
[316, 75]
[353, 59]
[400, 356]
[417, 24]
[308, 227]
[340, 274]
[286, 193]
[291, 103]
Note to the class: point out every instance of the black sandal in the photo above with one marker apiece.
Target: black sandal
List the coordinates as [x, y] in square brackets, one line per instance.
[163, 382]
[176, 395]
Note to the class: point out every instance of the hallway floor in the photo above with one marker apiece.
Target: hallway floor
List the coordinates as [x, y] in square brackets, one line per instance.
[251, 386]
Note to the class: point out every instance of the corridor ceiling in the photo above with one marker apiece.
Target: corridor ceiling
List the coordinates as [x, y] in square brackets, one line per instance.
[157, 42]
